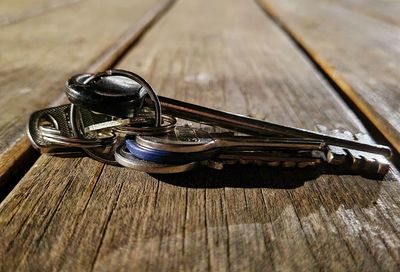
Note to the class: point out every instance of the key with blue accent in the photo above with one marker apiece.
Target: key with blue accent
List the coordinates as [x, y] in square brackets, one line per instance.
[187, 144]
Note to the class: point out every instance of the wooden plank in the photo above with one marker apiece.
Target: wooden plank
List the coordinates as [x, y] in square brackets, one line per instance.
[15, 11]
[358, 52]
[58, 48]
[384, 10]
[78, 214]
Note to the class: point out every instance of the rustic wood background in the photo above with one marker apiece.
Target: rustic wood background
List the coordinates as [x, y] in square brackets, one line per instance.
[285, 61]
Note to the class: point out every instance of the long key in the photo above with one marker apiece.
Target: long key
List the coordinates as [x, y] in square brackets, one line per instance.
[125, 158]
[118, 88]
[249, 125]
[186, 144]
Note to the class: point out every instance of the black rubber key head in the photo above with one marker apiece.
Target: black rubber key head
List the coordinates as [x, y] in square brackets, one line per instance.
[113, 95]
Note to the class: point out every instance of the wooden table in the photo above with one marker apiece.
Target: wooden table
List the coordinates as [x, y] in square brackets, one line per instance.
[301, 63]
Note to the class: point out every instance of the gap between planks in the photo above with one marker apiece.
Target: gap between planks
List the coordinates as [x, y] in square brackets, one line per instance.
[18, 159]
[374, 125]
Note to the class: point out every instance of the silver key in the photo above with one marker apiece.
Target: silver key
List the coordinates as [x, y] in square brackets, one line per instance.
[125, 158]
[253, 126]
[188, 141]
[50, 131]
[55, 118]
[186, 144]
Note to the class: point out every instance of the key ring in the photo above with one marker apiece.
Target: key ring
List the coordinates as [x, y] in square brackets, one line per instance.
[150, 91]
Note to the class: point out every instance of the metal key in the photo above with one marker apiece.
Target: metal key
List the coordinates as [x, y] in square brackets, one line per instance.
[125, 158]
[55, 119]
[187, 144]
[199, 113]
[51, 131]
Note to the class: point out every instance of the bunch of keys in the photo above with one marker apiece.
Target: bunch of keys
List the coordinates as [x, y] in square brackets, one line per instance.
[117, 118]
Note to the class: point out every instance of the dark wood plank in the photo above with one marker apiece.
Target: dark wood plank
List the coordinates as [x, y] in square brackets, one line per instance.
[359, 52]
[56, 48]
[77, 214]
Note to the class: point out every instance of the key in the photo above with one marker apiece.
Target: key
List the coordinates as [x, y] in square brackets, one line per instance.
[188, 139]
[125, 158]
[186, 144]
[118, 87]
[56, 118]
[102, 98]
[122, 95]
[50, 131]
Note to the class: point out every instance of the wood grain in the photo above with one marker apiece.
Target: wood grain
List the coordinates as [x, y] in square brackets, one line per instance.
[12, 12]
[32, 81]
[383, 10]
[358, 52]
[78, 214]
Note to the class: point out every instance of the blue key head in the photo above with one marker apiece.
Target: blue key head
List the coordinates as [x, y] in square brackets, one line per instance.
[125, 158]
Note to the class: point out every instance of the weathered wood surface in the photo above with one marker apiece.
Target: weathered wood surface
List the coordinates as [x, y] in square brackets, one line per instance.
[15, 11]
[39, 54]
[359, 52]
[384, 10]
[78, 214]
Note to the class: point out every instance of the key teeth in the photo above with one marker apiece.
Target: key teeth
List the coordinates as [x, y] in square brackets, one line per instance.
[354, 160]
[357, 161]
[220, 164]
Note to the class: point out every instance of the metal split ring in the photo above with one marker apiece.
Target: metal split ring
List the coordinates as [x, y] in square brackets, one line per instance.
[167, 125]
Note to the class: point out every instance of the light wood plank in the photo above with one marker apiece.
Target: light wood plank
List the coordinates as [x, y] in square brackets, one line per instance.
[384, 10]
[76, 214]
[359, 52]
[15, 11]
[38, 56]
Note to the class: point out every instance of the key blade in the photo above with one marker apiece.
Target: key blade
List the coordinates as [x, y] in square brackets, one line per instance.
[107, 124]
[187, 139]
